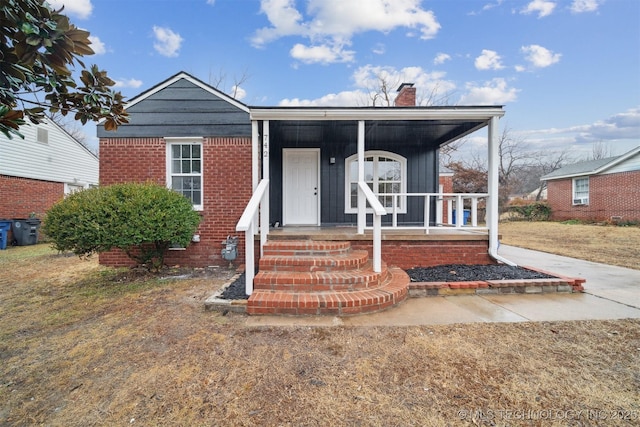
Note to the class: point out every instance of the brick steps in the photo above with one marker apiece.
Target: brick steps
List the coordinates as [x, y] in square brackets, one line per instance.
[311, 281]
[322, 278]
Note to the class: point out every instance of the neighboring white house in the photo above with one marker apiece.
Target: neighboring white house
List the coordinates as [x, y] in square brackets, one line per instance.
[40, 169]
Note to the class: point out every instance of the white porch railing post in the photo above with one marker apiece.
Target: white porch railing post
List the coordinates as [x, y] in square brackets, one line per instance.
[247, 224]
[439, 209]
[474, 211]
[362, 208]
[427, 212]
[249, 262]
[378, 212]
[459, 211]
[394, 221]
[449, 211]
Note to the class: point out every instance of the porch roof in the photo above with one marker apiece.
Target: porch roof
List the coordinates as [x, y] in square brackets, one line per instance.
[439, 124]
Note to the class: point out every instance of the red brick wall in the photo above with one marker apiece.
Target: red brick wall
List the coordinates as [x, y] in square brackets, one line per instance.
[410, 253]
[609, 195]
[226, 183]
[22, 196]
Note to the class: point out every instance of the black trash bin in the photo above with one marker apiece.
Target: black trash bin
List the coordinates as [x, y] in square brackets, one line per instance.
[25, 231]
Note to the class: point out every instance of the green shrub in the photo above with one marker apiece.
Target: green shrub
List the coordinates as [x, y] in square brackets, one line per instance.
[142, 220]
[537, 211]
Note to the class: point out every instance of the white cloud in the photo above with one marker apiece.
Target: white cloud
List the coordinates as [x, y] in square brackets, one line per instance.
[380, 49]
[540, 57]
[541, 7]
[323, 54]
[623, 128]
[441, 58]
[488, 60]
[494, 92]
[342, 99]
[167, 42]
[332, 23]
[240, 93]
[97, 45]
[126, 83]
[430, 87]
[581, 6]
[211, 2]
[80, 8]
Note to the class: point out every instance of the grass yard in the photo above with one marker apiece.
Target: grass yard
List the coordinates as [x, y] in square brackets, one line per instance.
[607, 244]
[84, 345]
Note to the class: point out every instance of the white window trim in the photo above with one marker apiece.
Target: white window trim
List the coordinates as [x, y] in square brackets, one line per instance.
[402, 209]
[190, 140]
[583, 200]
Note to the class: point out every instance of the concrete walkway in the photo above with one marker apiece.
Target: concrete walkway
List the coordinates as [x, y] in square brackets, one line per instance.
[610, 293]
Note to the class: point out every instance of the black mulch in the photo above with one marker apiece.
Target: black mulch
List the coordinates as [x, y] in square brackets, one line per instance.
[466, 273]
[236, 289]
[442, 273]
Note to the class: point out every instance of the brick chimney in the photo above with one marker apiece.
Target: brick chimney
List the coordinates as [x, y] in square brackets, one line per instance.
[406, 96]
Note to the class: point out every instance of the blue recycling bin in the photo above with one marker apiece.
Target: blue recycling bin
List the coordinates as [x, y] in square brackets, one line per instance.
[5, 225]
[466, 216]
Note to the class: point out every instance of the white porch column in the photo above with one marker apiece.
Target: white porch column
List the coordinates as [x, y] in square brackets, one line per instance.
[362, 207]
[493, 185]
[256, 151]
[264, 207]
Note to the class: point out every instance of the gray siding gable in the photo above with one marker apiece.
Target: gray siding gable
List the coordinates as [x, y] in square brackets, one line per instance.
[183, 109]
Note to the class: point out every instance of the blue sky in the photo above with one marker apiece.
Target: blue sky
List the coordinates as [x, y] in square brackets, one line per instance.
[567, 71]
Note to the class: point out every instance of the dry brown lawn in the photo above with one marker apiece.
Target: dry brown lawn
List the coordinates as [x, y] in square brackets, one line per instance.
[83, 345]
[607, 244]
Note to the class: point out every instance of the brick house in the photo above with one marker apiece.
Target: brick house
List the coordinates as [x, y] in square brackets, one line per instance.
[597, 190]
[37, 171]
[303, 180]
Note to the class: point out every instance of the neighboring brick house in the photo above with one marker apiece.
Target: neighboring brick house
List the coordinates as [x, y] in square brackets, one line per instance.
[37, 171]
[597, 190]
[216, 151]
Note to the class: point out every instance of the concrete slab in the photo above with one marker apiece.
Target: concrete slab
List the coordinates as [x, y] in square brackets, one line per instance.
[606, 281]
[257, 321]
[611, 293]
[550, 307]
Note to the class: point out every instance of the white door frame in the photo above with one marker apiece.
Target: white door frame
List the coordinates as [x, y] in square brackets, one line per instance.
[284, 193]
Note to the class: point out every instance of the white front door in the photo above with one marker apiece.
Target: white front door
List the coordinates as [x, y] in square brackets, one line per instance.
[301, 190]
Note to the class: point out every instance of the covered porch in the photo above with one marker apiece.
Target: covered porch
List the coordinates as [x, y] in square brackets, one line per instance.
[368, 176]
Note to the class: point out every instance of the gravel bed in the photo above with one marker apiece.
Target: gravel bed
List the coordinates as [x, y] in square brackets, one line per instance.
[466, 273]
[442, 273]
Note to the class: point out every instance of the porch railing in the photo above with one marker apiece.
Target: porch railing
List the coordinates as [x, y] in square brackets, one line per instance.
[378, 212]
[248, 223]
[451, 203]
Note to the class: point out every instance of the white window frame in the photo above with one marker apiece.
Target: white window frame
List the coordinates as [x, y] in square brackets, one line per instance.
[402, 200]
[186, 141]
[576, 195]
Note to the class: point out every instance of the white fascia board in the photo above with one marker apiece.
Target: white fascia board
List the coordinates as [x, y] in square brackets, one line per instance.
[391, 113]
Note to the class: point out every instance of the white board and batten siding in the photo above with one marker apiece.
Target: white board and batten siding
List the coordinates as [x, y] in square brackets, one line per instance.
[48, 153]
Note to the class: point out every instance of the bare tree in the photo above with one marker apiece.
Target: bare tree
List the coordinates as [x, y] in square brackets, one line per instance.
[73, 128]
[219, 81]
[600, 150]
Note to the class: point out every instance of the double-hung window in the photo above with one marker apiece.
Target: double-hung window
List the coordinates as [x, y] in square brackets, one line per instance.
[184, 169]
[581, 191]
[384, 172]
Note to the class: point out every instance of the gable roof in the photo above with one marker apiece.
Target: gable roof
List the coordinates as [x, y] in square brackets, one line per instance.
[195, 81]
[591, 167]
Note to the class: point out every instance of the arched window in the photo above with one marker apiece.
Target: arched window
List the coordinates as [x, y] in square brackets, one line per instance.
[384, 172]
